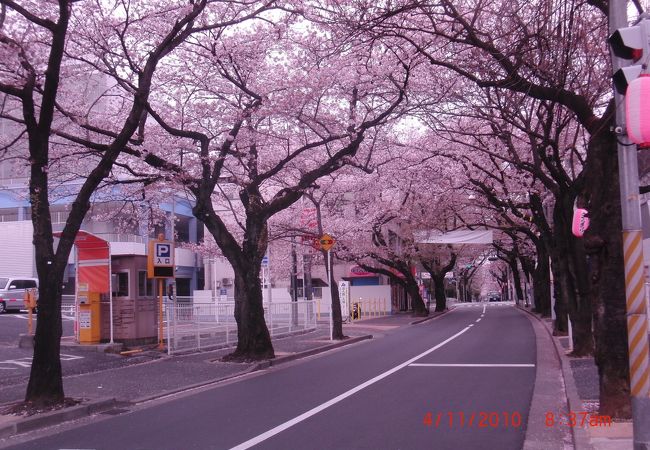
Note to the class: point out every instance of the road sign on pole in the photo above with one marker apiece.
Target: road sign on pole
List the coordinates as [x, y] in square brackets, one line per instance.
[160, 260]
[327, 242]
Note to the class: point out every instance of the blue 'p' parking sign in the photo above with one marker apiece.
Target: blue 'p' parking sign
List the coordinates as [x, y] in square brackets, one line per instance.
[160, 262]
[163, 254]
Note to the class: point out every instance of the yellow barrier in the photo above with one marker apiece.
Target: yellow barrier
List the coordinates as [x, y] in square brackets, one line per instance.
[367, 309]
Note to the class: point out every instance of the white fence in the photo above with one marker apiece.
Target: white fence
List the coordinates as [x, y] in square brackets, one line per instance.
[192, 327]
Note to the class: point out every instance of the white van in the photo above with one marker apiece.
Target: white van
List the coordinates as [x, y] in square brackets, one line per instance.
[12, 292]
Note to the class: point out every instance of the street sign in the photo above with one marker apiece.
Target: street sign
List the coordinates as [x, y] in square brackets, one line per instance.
[327, 242]
[160, 260]
[265, 261]
[162, 254]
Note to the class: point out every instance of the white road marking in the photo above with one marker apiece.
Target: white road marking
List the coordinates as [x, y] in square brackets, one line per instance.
[478, 320]
[296, 420]
[470, 365]
[21, 362]
[26, 362]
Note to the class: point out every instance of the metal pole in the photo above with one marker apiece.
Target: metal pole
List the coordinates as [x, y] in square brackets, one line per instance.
[329, 284]
[160, 314]
[637, 320]
[268, 282]
[110, 290]
[76, 292]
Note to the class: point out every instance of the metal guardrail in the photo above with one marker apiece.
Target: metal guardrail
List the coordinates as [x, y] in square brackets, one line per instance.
[199, 326]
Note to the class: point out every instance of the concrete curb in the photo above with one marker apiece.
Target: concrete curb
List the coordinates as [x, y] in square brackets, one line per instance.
[581, 439]
[56, 417]
[432, 317]
[306, 353]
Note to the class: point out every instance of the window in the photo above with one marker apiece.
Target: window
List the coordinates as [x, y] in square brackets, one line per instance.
[29, 284]
[145, 285]
[23, 284]
[120, 283]
[183, 287]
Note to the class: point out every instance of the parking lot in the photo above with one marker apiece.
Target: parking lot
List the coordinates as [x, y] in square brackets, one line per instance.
[15, 362]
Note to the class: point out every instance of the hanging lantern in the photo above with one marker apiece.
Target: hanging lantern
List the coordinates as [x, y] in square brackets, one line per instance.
[580, 222]
[637, 111]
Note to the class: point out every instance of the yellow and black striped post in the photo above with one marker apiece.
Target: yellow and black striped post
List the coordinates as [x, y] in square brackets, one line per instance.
[637, 321]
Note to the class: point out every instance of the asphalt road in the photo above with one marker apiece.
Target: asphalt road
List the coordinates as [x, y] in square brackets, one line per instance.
[473, 371]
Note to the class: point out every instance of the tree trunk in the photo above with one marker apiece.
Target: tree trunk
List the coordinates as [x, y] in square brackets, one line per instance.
[603, 242]
[419, 308]
[516, 279]
[45, 385]
[337, 320]
[253, 338]
[561, 324]
[439, 290]
[542, 282]
[574, 266]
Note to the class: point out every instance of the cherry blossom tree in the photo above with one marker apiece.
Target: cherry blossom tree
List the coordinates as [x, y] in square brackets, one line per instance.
[268, 110]
[552, 53]
[47, 47]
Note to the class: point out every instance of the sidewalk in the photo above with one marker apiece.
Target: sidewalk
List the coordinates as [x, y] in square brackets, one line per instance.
[581, 386]
[159, 375]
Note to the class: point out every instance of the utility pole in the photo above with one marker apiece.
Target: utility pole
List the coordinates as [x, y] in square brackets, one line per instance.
[626, 43]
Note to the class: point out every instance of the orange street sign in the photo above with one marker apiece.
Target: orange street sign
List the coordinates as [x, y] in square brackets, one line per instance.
[327, 242]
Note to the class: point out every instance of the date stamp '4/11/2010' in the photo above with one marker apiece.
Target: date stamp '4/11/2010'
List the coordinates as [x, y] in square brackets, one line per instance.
[475, 419]
[504, 419]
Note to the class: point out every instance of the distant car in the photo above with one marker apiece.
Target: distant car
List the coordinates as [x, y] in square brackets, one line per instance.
[12, 292]
[494, 297]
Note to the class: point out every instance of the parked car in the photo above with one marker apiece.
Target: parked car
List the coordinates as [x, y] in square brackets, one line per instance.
[494, 297]
[12, 292]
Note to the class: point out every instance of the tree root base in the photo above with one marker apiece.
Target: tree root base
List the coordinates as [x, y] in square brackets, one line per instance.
[36, 407]
[244, 357]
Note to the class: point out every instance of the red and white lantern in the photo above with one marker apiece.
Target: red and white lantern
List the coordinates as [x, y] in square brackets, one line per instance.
[580, 222]
[637, 111]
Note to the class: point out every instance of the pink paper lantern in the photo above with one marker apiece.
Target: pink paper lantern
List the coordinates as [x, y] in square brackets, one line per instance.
[580, 222]
[637, 111]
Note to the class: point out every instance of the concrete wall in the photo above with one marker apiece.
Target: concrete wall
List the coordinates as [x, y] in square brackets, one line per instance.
[369, 292]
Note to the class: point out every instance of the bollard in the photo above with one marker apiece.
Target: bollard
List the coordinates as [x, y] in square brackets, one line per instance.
[30, 304]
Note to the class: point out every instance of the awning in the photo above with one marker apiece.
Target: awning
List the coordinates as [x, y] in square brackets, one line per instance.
[458, 237]
[359, 272]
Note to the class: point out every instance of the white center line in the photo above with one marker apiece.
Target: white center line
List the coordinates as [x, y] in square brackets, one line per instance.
[470, 365]
[306, 415]
[478, 320]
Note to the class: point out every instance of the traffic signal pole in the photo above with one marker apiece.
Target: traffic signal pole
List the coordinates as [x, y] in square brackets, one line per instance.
[637, 320]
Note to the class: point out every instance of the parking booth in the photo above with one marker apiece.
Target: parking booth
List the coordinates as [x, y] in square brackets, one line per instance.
[93, 268]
